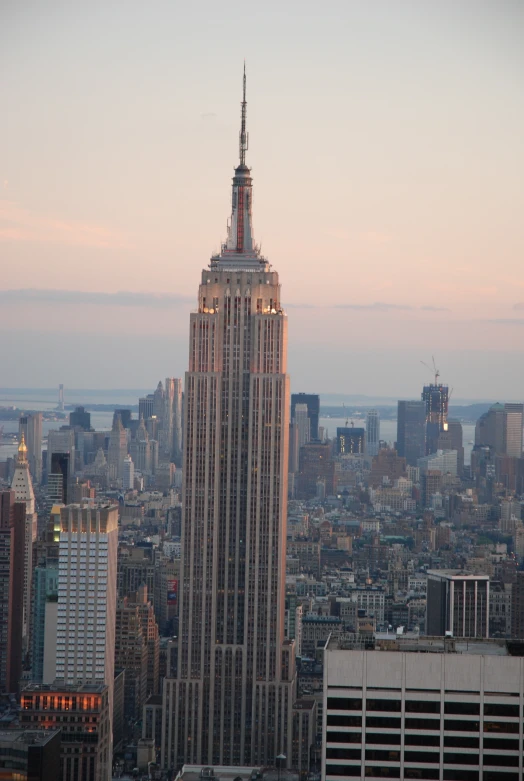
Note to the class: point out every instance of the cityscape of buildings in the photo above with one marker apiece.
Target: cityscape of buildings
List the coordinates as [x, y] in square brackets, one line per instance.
[218, 587]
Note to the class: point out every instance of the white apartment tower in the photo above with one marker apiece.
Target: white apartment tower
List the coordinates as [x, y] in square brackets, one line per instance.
[129, 474]
[86, 610]
[231, 702]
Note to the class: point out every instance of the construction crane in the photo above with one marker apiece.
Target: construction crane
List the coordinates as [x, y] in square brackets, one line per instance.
[347, 417]
[434, 370]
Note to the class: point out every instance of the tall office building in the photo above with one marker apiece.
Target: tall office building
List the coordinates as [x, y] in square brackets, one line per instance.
[59, 477]
[86, 609]
[423, 708]
[173, 419]
[140, 449]
[23, 488]
[117, 450]
[512, 442]
[350, 441]
[372, 432]
[158, 401]
[517, 607]
[451, 439]
[30, 425]
[303, 424]
[79, 418]
[61, 441]
[232, 700]
[489, 429]
[312, 402]
[146, 405]
[411, 430]
[12, 550]
[131, 656]
[457, 603]
[435, 398]
[125, 417]
[45, 583]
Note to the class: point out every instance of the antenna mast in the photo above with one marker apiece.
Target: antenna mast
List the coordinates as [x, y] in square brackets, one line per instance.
[244, 137]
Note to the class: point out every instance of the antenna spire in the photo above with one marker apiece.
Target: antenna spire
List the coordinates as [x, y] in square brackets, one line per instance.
[244, 137]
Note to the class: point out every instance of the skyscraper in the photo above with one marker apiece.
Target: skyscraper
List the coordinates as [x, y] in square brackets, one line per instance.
[86, 610]
[513, 414]
[146, 405]
[58, 478]
[350, 441]
[435, 398]
[303, 424]
[231, 702]
[129, 474]
[117, 450]
[30, 425]
[173, 419]
[12, 537]
[61, 441]
[372, 432]
[457, 602]
[23, 488]
[312, 402]
[79, 418]
[411, 430]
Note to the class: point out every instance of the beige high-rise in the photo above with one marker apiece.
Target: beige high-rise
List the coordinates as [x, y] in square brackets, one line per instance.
[231, 703]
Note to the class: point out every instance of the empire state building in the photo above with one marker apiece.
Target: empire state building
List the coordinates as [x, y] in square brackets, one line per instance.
[232, 698]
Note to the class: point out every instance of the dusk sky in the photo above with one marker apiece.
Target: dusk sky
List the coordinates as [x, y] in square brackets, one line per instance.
[386, 145]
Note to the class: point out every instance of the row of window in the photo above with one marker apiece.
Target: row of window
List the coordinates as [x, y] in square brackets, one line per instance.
[450, 741]
[451, 774]
[507, 710]
[393, 722]
[422, 757]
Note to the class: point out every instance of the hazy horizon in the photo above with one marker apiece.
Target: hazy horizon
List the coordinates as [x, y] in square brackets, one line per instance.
[386, 152]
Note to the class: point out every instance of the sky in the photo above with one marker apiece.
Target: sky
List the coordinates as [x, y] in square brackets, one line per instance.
[388, 167]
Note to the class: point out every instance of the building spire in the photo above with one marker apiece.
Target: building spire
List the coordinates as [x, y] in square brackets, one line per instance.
[244, 137]
[22, 450]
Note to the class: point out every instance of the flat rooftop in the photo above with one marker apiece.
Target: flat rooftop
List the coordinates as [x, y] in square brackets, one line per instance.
[28, 737]
[412, 643]
[61, 688]
[227, 773]
[454, 574]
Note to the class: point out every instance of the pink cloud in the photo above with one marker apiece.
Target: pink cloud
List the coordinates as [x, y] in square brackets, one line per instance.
[20, 224]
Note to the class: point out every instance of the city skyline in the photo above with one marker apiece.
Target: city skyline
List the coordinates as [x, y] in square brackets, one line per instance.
[407, 195]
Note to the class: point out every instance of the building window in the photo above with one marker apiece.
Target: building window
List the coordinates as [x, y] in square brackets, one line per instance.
[384, 722]
[420, 706]
[383, 705]
[344, 703]
[425, 740]
[421, 756]
[463, 708]
[343, 770]
[461, 759]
